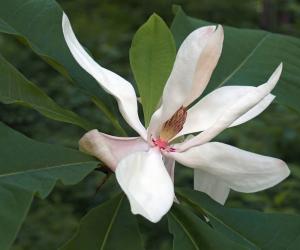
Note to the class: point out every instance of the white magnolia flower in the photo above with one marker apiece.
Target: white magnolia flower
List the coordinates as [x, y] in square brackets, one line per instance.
[144, 165]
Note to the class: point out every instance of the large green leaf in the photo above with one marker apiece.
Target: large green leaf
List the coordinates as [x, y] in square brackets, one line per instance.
[28, 167]
[152, 55]
[15, 88]
[190, 232]
[255, 230]
[39, 24]
[249, 57]
[108, 226]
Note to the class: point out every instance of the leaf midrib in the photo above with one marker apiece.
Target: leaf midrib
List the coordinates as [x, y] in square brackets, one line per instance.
[13, 29]
[220, 221]
[243, 62]
[111, 223]
[68, 118]
[45, 169]
[185, 230]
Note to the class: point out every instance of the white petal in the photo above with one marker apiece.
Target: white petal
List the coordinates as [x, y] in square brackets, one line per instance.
[206, 64]
[211, 185]
[199, 51]
[147, 184]
[207, 111]
[110, 149]
[235, 111]
[255, 111]
[112, 83]
[241, 170]
[170, 166]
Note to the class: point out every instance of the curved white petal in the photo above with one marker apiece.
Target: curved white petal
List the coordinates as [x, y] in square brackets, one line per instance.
[112, 83]
[211, 185]
[194, 63]
[235, 111]
[255, 111]
[147, 184]
[207, 111]
[241, 170]
[110, 149]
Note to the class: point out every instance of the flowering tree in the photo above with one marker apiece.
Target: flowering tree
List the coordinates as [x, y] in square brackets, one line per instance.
[233, 71]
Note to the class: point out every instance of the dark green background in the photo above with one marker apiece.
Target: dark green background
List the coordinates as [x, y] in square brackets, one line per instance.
[106, 28]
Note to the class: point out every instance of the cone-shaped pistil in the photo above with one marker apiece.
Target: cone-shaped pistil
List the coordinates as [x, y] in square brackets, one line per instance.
[174, 125]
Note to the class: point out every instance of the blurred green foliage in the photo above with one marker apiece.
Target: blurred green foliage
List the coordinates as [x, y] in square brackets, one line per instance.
[106, 28]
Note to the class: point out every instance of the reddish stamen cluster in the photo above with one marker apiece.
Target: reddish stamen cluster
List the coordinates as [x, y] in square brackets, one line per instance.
[163, 145]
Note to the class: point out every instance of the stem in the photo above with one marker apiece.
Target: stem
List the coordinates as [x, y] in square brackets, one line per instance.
[103, 181]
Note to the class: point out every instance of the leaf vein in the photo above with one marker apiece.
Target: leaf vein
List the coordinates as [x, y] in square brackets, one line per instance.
[245, 60]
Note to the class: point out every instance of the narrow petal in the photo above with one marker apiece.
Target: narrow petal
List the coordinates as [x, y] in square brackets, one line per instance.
[112, 83]
[170, 166]
[241, 170]
[211, 185]
[255, 111]
[147, 184]
[235, 111]
[199, 51]
[110, 149]
[207, 111]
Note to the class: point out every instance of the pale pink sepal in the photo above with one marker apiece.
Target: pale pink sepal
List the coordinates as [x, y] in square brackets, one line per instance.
[110, 149]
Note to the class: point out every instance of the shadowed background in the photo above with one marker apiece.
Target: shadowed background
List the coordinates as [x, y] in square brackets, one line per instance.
[106, 28]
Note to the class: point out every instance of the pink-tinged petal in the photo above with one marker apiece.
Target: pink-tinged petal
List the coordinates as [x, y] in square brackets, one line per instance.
[241, 170]
[185, 74]
[235, 111]
[147, 184]
[207, 111]
[110, 149]
[112, 83]
[211, 185]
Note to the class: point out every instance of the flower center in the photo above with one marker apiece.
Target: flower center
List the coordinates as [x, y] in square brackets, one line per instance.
[174, 125]
[170, 129]
[162, 145]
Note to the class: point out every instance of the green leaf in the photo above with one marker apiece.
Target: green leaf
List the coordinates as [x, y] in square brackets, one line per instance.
[190, 232]
[38, 23]
[14, 204]
[152, 55]
[255, 230]
[249, 57]
[108, 226]
[15, 88]
[28, 167]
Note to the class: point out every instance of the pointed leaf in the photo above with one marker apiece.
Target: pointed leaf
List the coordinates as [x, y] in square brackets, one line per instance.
[190, 232]
[28, 167]
[249, 57]
[255, 230]
[15, 88]
[152, 55]
[38, 23]
[14, 204]
[108, 226]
